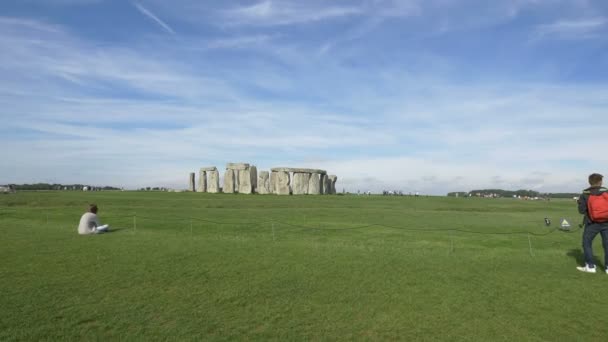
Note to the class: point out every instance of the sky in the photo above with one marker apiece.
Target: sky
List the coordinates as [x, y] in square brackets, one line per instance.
[426, 96]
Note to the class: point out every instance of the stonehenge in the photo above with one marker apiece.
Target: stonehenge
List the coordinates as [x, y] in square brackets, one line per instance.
[208, 179]
[273, 182]
[281, 183]
[253, 172]
[325, 185]
[202, 181]
[332, 184]
[191, 185]
[300, 183]
[244, 178]
[263, 183]
[213, 185]
[244, 182]
[229, 181]
[303, 182]
[314, 184]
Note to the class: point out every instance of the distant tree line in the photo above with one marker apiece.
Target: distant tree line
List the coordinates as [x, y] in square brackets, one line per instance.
[156, 188]
[511, 193]
[47, 186]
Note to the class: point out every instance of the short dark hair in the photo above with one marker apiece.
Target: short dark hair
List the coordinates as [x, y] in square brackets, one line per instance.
[93, 208]
[595, 179]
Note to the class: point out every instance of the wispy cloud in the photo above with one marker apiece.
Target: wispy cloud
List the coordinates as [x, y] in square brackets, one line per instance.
[382, 104]
[273, 13]
[151, 15]
[238, 42]
[596, 27]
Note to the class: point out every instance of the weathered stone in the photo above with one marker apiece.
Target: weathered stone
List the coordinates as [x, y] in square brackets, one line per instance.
[244, 181]
[229, 181]
[297, 169]
[209, 168]
[253, 172]
[300, 183]
[237, 166]
[273, 182]
[325, 185]
[282, 183]
[213, 183]
[191, 186]
[236, 180]
[314, 184]
[332, 182]
[263, 183]
[202, 181]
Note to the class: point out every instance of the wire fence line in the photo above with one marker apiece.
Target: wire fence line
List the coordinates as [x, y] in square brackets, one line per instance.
[321, 226]
[273, 224]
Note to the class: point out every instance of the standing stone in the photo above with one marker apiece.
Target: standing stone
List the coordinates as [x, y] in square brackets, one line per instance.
[202, 181]
[263, 183]
[253, 171]
[282, 183]
[332, 182]
[236, 180]
[300, 183]
[229, 181]
[214, 181]
[191, 187]
[314, 184]
[244, 182]
[325, 185]
[273, 182]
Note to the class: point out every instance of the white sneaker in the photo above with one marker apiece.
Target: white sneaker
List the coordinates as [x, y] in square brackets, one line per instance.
[587, 269]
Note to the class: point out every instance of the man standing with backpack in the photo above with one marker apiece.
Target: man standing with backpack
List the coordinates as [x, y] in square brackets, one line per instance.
[593, 203]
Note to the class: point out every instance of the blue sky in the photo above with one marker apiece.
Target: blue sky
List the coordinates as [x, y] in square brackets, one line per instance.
[430, 96]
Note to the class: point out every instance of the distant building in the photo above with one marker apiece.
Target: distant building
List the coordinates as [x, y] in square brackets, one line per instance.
[6, 189]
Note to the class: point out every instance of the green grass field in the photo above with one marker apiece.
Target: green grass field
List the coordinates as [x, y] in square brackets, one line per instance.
[188, 266]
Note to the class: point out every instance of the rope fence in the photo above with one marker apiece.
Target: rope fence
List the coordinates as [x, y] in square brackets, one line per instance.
[322, 226]
[130, 222]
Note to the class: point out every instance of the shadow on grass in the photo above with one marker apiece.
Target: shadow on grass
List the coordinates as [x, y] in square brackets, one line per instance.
[114, 230]
[578, 255]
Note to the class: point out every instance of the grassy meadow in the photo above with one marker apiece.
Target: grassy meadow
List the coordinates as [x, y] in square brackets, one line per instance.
[191, 266]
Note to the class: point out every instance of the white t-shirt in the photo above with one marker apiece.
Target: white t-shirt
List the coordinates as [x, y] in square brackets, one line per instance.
[88, 223]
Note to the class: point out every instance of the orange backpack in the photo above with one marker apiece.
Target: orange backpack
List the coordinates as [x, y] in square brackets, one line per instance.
[597, 206]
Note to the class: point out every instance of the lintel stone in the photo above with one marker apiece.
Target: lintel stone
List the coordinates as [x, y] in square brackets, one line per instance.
[237, 166]
[297, 170]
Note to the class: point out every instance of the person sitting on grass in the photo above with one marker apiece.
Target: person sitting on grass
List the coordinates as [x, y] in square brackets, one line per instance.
[89, 223]
[593, 203]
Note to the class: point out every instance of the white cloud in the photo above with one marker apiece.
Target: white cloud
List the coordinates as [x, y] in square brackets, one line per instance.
[586, 28]
[152, 16]
[148, 116]
[239, 42]
[440, 176]
[44, 51]
[272, 13]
